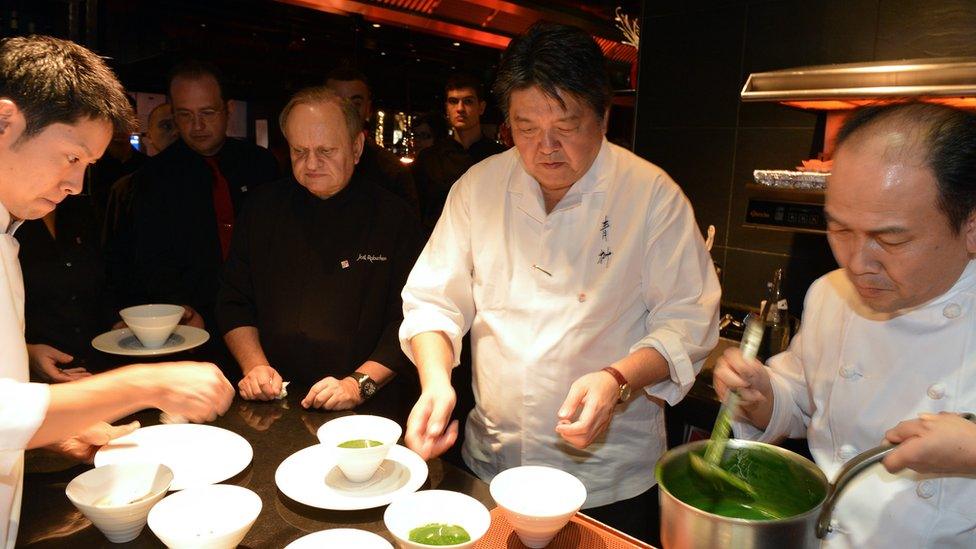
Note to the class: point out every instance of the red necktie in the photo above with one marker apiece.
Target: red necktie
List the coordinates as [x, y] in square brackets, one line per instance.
[223, 206]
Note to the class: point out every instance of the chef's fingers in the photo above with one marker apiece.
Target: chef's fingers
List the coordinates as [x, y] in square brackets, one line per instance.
[573, 400]
[270, 386]
[905, 430]
[314, 391]
[244, 388]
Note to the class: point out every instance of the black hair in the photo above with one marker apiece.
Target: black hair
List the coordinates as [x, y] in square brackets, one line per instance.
[556, 58]
[56, 81]
[347, 74]
[948, 140]
[194, 69]
[460, 81]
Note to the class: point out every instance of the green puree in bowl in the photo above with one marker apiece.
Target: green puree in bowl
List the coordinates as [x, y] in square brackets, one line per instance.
[360, 443]
[439, 534]
[785, 489]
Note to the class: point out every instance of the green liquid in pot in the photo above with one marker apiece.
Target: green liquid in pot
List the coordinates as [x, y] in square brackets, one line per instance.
[359, 443]
[439, 534]
[784, 488]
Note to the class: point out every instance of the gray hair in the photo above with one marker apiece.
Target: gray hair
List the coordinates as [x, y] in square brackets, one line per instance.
[323, 95]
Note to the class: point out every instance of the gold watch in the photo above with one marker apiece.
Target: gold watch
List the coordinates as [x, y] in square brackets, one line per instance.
[623, 392]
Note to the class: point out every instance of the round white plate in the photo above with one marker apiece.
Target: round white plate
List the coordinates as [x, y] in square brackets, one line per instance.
[197, 454]
[310, 476]
[340, 537]
[123, 342]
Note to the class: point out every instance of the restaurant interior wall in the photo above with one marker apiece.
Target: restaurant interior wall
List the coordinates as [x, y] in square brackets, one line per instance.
[695, 58]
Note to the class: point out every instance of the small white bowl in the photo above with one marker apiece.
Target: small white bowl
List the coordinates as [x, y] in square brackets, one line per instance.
[117, 498]
[152, 324]
[436, 507]
[216, 516]
[340, 537]
[359, 464]
[537, 501]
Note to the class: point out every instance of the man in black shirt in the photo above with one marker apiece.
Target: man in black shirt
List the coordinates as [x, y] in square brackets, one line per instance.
[311, 290]
[376, 163]
[439, 166]
[183, 203]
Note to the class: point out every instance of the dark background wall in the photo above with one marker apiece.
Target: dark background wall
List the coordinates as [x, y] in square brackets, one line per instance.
[695, 57]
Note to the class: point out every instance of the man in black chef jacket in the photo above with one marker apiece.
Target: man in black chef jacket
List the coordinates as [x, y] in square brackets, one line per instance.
[311, 290]
[184, 201]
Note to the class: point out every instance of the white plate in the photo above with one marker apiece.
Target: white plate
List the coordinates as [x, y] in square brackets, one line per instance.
[197, 454]
[123, 342]
[310, 476]
[340, 538]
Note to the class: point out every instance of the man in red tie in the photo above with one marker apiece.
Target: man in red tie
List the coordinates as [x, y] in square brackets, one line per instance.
[185, 200]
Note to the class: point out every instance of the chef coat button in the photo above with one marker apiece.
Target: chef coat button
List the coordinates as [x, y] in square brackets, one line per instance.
[925, 489]
[847, 452]
[850, 373]
[68, 264]
[936, 391]
[581, 298]
[952, 310]
[74, 298]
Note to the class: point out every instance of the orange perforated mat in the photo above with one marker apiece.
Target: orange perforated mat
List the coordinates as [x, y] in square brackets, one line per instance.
[582, 532]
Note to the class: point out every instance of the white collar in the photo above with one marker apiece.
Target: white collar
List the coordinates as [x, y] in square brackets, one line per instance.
[8, 225]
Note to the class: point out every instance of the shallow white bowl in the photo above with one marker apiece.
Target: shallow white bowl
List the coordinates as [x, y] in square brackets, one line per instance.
[217, 516]
[440, 507]
[537, 501]
[152, 324]
[359, 464]
[340, 537]
[117, 498]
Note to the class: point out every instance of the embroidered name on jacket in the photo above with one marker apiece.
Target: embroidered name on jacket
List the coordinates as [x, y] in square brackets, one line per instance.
[371, 258]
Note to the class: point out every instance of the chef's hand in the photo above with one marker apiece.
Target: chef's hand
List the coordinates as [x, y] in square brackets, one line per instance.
[196, 391]
[260, 383]
[934, 443]
[428, 431]
[751, 380]
[596, 393]
[191, 317]
[44, 361]
[333, 394]
[83, 446]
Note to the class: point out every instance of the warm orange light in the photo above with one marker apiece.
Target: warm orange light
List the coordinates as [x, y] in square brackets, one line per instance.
[849, 104]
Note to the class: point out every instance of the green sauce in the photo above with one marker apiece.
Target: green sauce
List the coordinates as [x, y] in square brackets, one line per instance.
[785, 489]
[439, 534]
[360, 443]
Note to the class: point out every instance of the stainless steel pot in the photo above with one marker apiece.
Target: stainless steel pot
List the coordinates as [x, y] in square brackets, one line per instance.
[684, 526]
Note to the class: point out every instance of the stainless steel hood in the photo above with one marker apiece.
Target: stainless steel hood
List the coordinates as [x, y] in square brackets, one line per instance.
[849, 85]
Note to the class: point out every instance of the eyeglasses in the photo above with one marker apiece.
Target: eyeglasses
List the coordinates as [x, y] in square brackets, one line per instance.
[206, 115]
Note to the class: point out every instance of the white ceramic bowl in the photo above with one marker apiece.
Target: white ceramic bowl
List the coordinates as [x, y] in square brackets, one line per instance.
[152, 324]
[340, 537]
[537, 501]
[104, 494]
[359, 464]
[436, 507]
[217, 516]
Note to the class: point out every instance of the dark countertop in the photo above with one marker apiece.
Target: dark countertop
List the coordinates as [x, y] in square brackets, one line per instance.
[275, 430]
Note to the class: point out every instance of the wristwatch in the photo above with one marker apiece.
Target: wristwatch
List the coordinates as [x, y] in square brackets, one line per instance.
[367, 387]
[623, 393]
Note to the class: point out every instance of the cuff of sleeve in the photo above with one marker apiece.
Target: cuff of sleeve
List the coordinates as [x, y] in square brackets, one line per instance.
[682, 371]
[779, 421]
[419, 321]
[23, 410]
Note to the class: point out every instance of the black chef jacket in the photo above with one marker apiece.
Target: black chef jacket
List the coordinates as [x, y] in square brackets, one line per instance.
[321, 279]
[437, 168]
[169, 251]
[66, 304]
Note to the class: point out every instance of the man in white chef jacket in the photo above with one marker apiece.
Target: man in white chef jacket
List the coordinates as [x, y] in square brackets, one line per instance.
[59, 104]
[580, 271]
[888, 342]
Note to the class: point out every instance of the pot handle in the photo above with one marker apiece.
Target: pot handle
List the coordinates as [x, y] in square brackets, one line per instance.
[851, 469]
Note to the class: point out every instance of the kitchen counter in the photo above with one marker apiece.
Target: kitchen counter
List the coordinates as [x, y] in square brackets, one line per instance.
[275, 430]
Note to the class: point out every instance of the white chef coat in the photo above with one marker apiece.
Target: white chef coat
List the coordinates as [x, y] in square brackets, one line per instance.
[22, 404]
[851, 374]
[617, 266]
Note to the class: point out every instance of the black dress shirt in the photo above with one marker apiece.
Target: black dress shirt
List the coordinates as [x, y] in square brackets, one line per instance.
[65, 298]
[437, 168]
[169, 249]
[321, 280]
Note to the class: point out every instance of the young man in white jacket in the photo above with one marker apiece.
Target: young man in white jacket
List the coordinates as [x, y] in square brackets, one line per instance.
[887, 347]
[59, 104]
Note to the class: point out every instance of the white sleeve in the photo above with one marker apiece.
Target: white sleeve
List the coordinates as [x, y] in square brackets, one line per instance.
[438, 295]
[22, 410]
[681, 293]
